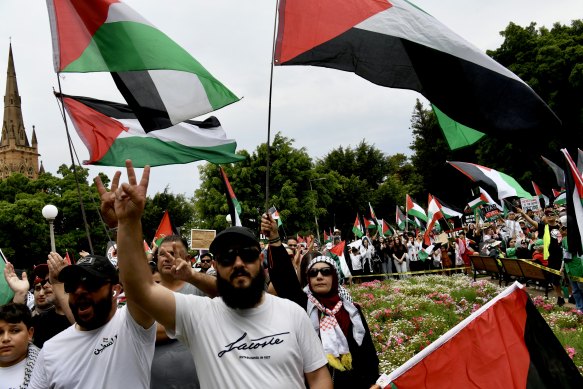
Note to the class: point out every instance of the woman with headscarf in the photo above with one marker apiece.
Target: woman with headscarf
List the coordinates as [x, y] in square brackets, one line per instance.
[352, 358]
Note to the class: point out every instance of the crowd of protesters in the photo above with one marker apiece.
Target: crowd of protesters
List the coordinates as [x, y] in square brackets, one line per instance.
[246, 313]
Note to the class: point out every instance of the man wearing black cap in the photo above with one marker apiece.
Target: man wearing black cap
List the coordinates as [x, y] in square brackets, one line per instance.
[244, 338]
[107, 347]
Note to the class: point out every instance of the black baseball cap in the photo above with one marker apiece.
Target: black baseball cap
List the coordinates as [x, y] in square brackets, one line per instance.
[232, 236]
[93, 265]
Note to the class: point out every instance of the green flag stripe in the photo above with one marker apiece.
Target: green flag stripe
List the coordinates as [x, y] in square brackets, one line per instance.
[148, 151]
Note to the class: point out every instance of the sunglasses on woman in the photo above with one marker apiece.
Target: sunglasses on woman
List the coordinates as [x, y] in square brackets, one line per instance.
[247, 255]
[325, 271]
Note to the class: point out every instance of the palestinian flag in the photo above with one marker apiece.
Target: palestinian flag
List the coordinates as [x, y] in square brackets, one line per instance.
[557, 171]
[401, 220]
[415, 209]
[505, 185]
[384, 228]
[162, 83]
[574, 197]
[357, 228]
[505, 344]
[112, 134]
[372, 214]
[396, 44]
[6, 293]
[275, 215]
[561, 199]
[147, 248]
[433, 215]
[423, 254]
[327, 238]
[475, 203]
[557, 193]
[234, 206]
[164, 228]
[580, 160]
[456, 134]
[68, 258]
[490, 199]
[540, 195]
[369, 224]
[448, 211]
[337, 253]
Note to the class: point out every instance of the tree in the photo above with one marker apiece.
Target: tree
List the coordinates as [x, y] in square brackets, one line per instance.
[290, 173]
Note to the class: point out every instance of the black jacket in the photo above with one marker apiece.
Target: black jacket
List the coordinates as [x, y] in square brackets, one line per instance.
[365, 362]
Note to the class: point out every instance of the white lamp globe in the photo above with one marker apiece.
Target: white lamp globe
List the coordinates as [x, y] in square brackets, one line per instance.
[50, 212]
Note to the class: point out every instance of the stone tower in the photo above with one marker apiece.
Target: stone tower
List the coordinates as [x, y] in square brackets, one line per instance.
[16, 153]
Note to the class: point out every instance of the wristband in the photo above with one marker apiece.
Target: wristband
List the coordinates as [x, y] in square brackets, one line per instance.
[275, 240]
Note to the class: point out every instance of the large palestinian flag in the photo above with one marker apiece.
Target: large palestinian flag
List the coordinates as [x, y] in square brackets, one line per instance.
[112, 134]
[504, 344]
[396, 44]
[160, 80]
[505, 185]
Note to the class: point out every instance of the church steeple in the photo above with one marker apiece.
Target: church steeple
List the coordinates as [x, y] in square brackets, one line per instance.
[12, 126]
[16, 153]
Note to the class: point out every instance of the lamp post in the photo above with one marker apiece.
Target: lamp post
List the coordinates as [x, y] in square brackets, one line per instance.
[50, 212]
[315, 215]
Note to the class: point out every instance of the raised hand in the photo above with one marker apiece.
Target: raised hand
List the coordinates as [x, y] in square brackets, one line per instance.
[108, 199]
[56, 263]
[269, 226]
[16, 284]
[130, 197]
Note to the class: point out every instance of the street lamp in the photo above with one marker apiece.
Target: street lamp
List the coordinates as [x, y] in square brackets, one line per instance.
[315, 215]
[50, 213]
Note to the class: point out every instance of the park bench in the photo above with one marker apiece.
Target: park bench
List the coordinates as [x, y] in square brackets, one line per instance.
[525, 273]
[486, 265]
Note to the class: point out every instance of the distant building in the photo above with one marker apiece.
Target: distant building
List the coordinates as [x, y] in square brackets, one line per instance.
[17, 155]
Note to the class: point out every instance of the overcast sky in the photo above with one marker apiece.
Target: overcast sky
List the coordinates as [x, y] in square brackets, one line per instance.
[321, 109]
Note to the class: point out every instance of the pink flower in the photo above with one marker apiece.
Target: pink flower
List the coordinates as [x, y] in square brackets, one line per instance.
[571, 351]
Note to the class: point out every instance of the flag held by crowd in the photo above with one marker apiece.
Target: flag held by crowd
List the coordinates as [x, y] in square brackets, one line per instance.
[357, 228]
[275, 215]
[112, 134]
[574, 201]
[162, 82]
[164, 229]
[396, 44]
[401, 220]
[505, 185]
[538, 193]
[415, 209]
[506, 343]
[234, 205]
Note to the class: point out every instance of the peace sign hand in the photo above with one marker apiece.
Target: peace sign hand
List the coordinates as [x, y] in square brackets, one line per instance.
[130, 197]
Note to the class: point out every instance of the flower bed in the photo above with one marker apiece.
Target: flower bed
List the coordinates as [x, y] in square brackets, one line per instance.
[405, 316]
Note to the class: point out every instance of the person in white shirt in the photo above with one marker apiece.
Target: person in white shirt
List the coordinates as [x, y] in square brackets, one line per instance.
[244, 337]
[107, 347]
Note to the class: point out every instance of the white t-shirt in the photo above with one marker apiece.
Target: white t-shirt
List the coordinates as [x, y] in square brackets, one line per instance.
[116, 355]
[11, 377]
[270, 346]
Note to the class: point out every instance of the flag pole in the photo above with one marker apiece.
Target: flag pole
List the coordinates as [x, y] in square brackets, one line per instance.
[70, 142]
[267, 162]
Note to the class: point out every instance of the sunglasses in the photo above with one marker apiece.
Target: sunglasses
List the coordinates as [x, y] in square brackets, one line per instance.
[205, 261]
[40, 284]
[247, 255]
[325, 271]
[90, 284]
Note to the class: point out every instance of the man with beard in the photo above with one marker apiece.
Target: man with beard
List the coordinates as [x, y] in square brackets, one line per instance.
[107, 347]
[244, 338]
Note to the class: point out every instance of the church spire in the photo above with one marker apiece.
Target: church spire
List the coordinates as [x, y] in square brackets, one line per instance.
[12, 126]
